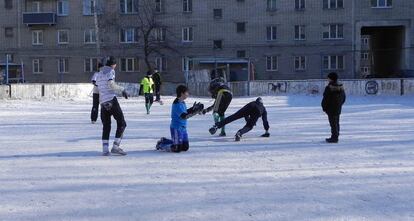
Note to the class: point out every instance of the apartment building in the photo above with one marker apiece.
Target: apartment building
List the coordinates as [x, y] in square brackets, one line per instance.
[57, 40]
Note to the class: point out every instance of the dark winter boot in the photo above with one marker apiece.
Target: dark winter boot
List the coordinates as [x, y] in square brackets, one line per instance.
[237, 137]
[213, 130]
[332, 140]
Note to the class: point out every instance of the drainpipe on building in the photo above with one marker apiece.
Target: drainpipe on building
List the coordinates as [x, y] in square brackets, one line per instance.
[19, 13]
[7, 68]
[353, 40]
[248, 77]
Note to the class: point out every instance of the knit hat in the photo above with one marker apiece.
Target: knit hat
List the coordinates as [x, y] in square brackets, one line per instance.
[259, 100]
[333, 76]
[110, 61]
[149, 73]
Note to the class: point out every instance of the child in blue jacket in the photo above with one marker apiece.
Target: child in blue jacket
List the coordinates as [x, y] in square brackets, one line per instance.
[178, 128]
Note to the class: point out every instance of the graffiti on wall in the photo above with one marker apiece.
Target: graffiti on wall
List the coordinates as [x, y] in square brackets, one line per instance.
[279, 87]
[371, 87]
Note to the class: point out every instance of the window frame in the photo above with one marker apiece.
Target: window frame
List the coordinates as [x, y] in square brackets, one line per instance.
[161, 63]
[339, 28]
[187, 6]
[39, 69]
[302, 61]
[330, 62]
[187, 34]
[271, 31]
[300, 5]
[271, 5]
[329, 6]
[272, 59]
[59, 35]
[388, 4]
[91, 67]
[65, 65]
[92, 36]
[39, 37]
[62, 3]
[300, 30]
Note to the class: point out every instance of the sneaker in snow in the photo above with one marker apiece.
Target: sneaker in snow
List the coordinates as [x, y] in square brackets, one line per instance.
[93, 122]
[223, 134]
[331, 140]
[117, 150]
[237, 137]
[158, 146]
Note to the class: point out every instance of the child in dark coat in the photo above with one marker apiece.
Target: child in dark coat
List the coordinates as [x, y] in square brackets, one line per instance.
[333, 99]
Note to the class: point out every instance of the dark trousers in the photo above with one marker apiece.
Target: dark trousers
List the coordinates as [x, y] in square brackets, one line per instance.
[149, 98]
[157, 92]
[95, 107]
[335, 127]
[109, 109]
[222, 103]
[245, 113]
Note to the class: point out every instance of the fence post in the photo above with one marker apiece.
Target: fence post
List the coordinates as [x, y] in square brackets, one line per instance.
[402, 87]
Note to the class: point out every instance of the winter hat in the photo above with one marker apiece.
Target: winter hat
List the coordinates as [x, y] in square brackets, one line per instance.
[110, 61]
[259, 100]
[333, 76]
[149, 73]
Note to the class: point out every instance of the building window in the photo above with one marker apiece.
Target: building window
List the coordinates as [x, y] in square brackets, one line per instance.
[90, 36]
[63, 36]
[271, 63]
[241, 54]
[366, 70]
[271, 5]
[128, 35]
[90, 7]
[187, 5]
[8, 32]
[91, 65]
[158, 6]
[364, 55]
[159, 34]
[333, 31]
[271, 33]
[365, 41]
[128, 6]
[187, 35]
[300, 34]
[333, 62]
[129, 64]
[161, 63]
[218, 13]
[63, 8]
[8, 4]
[299, 4]
[187, 63]
[37, 66]
[37, 37]
[63, 65]
[241, 27]
[300, 63]
[333, 4]
[218, 44]
[381, 3]
[36, 6]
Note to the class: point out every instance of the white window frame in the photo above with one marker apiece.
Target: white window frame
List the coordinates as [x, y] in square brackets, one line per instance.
[187, 34]
[161, 63]
[300, 30]
[126, 33]
[187, 6]
[62, 7]
[126, 10]
[365, 41]
[37, 66]
[328, 29]
[187, 63]
[271, 5]
[59, 35]
[366, 70]
[160, 34]
[133, 61]
[300, 4]
[158, 6]
[92, 6]
[365, 56]
[37, 37]
[91, 33]
[272, 29]
[387, 4]
[272, 59]
[63, 65]
[335, 2]
[36, 6]
[88, 65]
[333, 65]
[300, 63]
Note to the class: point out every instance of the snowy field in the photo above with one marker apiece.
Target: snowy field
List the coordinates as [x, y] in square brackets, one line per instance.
[51, 168]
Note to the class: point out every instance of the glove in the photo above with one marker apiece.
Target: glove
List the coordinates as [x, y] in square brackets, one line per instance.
[204, 111]
[266, 134]
[198, 107]
[125, 94]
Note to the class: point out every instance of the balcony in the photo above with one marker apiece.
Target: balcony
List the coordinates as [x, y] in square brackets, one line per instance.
[39, 18]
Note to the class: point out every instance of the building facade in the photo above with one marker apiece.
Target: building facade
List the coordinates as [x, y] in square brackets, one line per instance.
[57, 40]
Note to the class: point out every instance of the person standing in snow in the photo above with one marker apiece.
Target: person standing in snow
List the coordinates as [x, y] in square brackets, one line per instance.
[156, 77]
[251, 112]
[333, 98]
[223, 96]
[178, 128]
[107, 88]
[147, 88]
[95, 96]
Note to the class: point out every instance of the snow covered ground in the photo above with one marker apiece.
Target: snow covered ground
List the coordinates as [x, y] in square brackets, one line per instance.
[51, 168]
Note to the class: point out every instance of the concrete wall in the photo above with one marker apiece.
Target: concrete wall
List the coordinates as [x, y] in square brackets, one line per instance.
[368, 87]
[4, 91]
